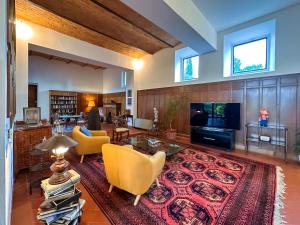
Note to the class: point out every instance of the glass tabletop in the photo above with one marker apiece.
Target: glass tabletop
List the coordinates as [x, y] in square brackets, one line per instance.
[150, 145]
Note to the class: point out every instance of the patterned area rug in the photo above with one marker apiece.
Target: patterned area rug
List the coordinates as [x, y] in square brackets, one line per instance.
[197, 188]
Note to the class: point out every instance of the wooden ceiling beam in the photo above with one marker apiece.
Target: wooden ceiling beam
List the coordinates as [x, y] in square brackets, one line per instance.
[26, 10]
[61, 59]
[91, 15]
[126, 13]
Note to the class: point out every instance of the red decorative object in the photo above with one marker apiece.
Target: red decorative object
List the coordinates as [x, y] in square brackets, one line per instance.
[197, 187]
[264, 117]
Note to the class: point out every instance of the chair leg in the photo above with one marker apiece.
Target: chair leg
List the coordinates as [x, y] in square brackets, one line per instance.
[157, 182]
[82, 157]
[136, 201]
[110, 188]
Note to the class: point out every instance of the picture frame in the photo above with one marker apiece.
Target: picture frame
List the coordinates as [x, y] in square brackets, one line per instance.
[32, 115]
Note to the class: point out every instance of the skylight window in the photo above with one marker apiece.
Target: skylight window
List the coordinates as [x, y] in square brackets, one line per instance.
[250, 56]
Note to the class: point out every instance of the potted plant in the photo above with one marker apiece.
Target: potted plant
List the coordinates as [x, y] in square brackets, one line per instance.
[174, 103]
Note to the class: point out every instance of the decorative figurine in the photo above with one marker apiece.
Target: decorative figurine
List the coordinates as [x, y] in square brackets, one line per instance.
[155, 120]
[264, 117]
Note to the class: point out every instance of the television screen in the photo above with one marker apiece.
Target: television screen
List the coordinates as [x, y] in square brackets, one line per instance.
[214, 114]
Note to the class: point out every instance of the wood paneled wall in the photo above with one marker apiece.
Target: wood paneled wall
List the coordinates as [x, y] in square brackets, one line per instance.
[280, 94]
[119, 97]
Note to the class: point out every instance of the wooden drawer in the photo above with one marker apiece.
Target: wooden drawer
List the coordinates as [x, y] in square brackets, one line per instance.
[24, 141]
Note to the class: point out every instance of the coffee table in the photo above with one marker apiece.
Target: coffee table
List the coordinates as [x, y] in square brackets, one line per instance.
[150, 145]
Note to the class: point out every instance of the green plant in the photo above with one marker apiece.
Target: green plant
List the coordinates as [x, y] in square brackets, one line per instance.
[174, 104]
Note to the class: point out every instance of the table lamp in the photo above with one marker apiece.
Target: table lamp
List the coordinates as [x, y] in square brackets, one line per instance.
[91, 103]
[59, 144]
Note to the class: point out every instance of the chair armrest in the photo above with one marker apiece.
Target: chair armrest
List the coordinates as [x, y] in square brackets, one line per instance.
[100, 139]
[98, 132]
[158, 162]
[96, 141]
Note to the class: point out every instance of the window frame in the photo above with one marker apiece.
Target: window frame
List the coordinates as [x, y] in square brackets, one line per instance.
[267, 66]
[182, 67]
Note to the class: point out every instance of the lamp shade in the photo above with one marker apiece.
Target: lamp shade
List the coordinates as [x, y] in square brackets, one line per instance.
[57, 141]
[91, 103]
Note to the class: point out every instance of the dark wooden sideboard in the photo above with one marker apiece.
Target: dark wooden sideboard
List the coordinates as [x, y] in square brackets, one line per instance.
[25, 139]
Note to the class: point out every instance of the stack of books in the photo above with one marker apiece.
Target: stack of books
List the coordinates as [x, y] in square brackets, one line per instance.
[62, 205]
[154, 142]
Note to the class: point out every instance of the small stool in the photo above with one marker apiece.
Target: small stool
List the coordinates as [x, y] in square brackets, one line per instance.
[119, 131]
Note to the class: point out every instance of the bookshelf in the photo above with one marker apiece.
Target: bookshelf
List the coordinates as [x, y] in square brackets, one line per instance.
[65, 102]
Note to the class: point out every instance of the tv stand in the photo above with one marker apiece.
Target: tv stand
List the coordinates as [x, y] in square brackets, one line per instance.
[221, 138]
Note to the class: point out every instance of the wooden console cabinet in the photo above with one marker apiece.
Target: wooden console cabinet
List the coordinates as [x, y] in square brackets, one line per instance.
[25, 139]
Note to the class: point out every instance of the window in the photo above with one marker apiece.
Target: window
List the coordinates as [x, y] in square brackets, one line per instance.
[250, 50]
[186, 65]
[250, 56]
[190, 68]
[123, 78]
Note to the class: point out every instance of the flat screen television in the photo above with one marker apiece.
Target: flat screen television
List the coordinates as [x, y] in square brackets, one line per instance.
[215, 114]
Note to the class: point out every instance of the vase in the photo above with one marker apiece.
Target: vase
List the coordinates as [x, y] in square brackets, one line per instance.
[170, 134]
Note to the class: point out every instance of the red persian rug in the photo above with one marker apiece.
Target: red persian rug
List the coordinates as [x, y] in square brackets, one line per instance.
[197, 188]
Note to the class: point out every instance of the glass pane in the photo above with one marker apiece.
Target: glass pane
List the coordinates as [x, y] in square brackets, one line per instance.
[191, 68]
[123, 79]
[250, 56]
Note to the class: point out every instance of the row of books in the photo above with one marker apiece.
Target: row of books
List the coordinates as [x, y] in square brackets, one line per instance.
[62, 204]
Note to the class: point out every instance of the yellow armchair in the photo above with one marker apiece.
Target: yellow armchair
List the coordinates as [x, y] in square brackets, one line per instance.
[130, 170]
[89, 144]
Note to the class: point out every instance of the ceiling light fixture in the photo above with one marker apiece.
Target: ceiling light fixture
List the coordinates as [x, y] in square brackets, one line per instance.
[24, 31]
[137, 64]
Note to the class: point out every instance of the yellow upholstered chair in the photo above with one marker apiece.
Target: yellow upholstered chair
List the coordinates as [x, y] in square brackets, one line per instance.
[89, 144]
[130, 170]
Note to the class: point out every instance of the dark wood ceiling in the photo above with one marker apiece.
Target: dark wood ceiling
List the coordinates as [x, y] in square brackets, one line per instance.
[107, 23]
[61, 59]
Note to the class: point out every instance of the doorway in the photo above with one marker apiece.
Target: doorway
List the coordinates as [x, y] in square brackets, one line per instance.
[32, 95]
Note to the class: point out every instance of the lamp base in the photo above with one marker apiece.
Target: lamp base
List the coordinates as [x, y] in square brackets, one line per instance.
[59, 178]
[60, 173]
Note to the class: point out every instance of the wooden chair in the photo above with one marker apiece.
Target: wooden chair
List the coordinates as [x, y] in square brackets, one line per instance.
[120, 127]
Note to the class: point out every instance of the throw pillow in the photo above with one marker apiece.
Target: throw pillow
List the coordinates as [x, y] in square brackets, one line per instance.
[85, 131]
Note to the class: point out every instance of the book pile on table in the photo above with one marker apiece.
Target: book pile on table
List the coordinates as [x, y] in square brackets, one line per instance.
[62, 205]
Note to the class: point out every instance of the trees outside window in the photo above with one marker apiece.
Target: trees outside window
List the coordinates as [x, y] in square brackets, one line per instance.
[190, 68]
[250, 56]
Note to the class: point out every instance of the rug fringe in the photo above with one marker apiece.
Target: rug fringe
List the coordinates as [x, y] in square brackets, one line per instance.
[278, 218]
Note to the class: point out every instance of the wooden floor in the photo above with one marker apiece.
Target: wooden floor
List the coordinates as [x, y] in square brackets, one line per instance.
[25, 205]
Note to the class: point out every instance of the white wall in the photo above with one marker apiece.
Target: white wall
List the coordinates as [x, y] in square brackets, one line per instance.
[50, 39]
[112, 82]
[57, 75]
[158, 70]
